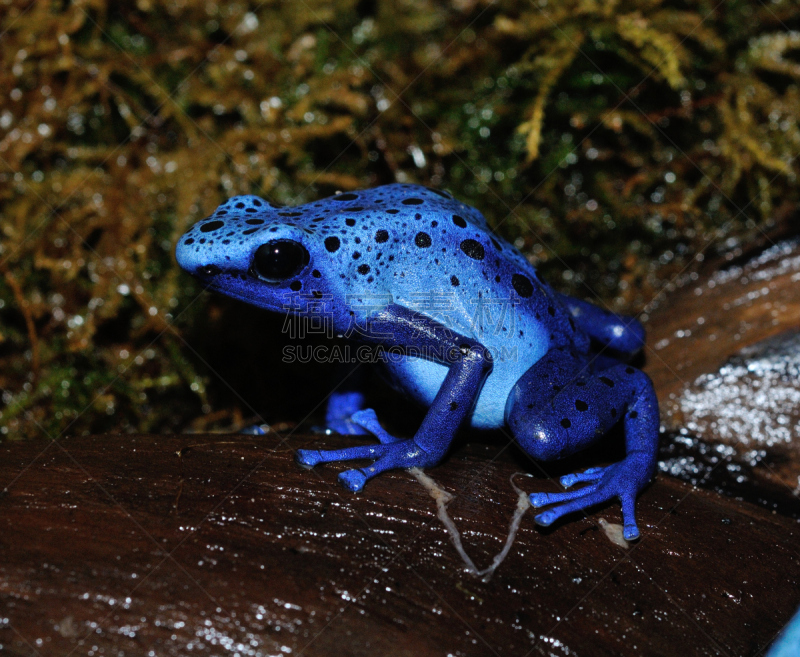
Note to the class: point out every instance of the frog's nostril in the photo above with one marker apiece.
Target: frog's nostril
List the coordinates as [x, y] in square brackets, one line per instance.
[208, 270]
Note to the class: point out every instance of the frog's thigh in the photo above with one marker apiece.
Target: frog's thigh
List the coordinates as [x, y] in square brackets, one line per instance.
[559, 407]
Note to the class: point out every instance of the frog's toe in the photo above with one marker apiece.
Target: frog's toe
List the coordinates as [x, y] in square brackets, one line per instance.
[311, 457]
[592, 474]
[368, 419]
[543, 499]
[572, 501]
[629, 528]
[630, 531]
[307, 458]
[353, 480]
[545, 519]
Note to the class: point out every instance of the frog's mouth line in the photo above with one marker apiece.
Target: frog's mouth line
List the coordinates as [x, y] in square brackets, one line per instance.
[235, 290]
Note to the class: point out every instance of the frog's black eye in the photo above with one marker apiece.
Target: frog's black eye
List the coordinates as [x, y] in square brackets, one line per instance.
[276, 261]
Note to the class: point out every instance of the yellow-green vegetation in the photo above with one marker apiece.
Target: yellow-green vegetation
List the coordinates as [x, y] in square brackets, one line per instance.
[612, 140]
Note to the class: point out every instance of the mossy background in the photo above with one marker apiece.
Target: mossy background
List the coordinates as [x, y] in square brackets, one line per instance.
[615, 142]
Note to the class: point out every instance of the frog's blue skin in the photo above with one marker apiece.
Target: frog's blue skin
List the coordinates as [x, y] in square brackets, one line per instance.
[410, 268]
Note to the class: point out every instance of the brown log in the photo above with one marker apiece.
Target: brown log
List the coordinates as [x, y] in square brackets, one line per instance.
[724, 355]
[112, 544]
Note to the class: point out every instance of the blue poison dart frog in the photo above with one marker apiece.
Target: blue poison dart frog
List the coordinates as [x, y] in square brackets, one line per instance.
[473, 333]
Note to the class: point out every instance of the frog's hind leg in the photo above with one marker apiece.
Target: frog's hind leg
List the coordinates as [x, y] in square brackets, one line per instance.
[560, 406]
[621, 333]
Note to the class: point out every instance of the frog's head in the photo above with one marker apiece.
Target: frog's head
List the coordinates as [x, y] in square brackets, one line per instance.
[252, 251]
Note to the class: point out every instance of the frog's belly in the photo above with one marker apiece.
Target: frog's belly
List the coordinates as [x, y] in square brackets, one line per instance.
[421, 380]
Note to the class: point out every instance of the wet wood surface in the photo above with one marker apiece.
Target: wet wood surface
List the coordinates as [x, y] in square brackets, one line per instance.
[214, 545]
[724, 354]
[709, 317]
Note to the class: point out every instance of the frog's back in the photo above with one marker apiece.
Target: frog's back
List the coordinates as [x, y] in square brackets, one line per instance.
[426, 251]
[431, 253]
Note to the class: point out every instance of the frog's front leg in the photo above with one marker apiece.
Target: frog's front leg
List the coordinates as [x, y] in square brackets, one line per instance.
[469, 363]
[559, 406]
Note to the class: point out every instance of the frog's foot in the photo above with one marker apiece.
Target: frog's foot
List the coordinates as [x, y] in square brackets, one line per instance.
[622, 480]
[390, 454]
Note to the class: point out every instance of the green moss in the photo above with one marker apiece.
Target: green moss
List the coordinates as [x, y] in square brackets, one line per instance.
[613, 141]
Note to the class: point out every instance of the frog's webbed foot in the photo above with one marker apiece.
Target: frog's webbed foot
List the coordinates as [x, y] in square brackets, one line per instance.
[389, 454]
[623, 480]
